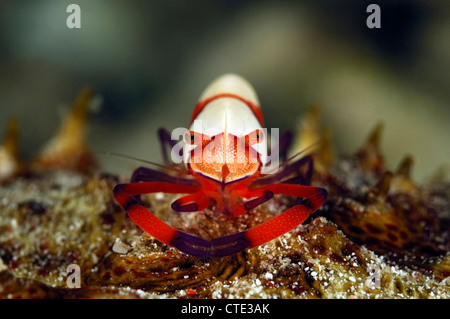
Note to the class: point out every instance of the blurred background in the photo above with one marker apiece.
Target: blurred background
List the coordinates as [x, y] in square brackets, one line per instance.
[150, 60]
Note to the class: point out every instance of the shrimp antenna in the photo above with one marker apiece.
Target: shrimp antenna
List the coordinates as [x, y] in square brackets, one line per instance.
[143, 161]
[303, 151]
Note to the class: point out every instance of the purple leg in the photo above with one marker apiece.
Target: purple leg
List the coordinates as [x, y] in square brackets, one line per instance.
[165, 139]
[285, 143]
[258, 201]
[220, 247]
[233, 244]
[144, 174]
[188, 243]
[191, 207]
[307, 177]
[303, 179]
[237, 247]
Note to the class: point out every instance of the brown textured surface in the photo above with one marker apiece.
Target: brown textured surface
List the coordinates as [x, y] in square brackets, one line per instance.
[54, 215]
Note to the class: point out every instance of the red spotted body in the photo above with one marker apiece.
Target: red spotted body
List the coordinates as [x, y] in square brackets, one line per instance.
[225, 153]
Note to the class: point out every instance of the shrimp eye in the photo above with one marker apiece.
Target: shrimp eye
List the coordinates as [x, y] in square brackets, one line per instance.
[189, 137]
[259, 136]
[193, 138]
[254, 137]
